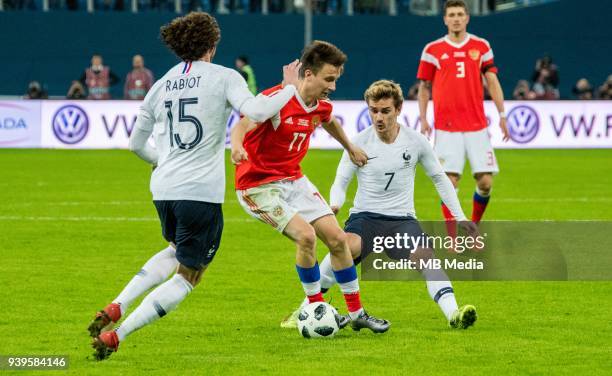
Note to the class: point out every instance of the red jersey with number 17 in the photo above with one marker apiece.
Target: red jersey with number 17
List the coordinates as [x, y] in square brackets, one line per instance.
[278, 145]
[456, 71]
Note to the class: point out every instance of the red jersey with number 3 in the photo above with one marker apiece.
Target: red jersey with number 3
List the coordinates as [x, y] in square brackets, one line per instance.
[277, 146]
[456, 72]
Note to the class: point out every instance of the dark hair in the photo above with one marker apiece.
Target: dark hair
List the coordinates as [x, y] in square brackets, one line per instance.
[244, 59]
[456, 3]
[190, 37]
[319, 53]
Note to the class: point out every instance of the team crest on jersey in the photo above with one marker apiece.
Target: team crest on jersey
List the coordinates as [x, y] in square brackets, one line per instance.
[474, 54]
[406, 156]
[278, 211]
[316, 120]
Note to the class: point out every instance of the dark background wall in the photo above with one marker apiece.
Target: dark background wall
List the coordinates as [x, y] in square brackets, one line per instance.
[55, 47]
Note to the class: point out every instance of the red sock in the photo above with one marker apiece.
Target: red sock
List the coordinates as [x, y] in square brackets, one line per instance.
[353, 301]
[479, 205]
[451, 224]
[316, 298]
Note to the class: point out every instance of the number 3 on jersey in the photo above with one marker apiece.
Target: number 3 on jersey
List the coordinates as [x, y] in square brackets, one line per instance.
[297, 135]
[184, 118]
[461, 69]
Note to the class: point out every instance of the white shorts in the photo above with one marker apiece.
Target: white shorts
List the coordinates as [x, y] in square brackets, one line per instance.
[276, 203]
[451, 148]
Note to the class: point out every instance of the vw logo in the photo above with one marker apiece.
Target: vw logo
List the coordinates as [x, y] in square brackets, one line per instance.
[523, 124]
[70, 124]
[363, 120]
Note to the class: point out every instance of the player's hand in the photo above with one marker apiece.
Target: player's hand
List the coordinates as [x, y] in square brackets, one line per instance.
[504, 129]
[335, 209]
[425, 128]
[471, 229]
[291, 73]
[239, 155]
[358, 156]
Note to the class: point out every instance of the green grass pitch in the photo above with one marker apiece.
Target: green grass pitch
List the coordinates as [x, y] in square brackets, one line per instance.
[76, 225]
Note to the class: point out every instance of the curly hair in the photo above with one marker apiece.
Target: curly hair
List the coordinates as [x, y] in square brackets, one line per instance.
[384, 89]
[190, 37]
[319, 53]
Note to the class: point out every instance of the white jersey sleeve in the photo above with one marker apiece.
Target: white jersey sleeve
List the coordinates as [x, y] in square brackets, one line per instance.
[260, 108]
[434, 170]
[344, 175]
[141, 133]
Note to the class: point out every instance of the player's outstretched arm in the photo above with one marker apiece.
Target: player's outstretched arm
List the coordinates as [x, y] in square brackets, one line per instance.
[344, 175]
[423, 97]
[140, 136]
[497, 94]
[237, 139]
[357, 155]
[262, 107]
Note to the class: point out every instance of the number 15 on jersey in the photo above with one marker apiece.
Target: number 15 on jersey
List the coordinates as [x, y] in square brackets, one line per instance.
[184, 118]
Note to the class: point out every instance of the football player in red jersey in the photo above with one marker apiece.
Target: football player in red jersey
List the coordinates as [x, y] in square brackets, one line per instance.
[271, 187]
[455, 65]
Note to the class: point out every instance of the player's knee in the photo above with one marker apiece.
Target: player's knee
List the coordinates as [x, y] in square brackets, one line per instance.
[484, 183]
[306, 239]
[337, 242]
[193, 276]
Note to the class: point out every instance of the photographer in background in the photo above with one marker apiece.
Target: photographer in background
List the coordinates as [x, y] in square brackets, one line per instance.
[545, 79]
[583, 89]
[35, 91]
[522, 91]
[605, 90]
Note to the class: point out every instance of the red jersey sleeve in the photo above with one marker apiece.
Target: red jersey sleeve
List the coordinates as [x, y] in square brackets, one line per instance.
[487, 64]
[327, 115]
[427, 66]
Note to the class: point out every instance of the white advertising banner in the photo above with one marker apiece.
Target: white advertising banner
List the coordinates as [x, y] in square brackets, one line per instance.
[19, 124]
[532, 124]
[88, 124]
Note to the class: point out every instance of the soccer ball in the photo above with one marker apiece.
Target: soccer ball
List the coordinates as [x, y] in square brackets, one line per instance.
[318, 320]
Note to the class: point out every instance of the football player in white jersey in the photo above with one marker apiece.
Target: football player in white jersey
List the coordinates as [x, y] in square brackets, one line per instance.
[187, 112]
[385, 192]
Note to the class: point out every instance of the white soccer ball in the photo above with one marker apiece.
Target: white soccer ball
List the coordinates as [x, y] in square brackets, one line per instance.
[318, 320]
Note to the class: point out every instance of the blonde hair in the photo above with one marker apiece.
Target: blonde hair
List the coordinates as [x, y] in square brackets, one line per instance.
[383, 89]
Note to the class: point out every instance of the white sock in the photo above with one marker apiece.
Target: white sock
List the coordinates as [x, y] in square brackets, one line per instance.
[441, 291]
[155, 271]
[327, 273]
[165, 298]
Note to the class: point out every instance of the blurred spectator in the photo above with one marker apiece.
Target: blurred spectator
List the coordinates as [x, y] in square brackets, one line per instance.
[605, 90]
[522, 91]
[242, 66]
[76, 91]
[98, 78]
[138, 81]
[583, 89]
[543, 88]
[546, 72]
[35, 91]
[413, 91]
